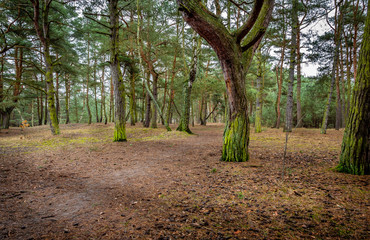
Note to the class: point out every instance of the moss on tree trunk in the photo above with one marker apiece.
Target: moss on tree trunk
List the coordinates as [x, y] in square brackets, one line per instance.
[236, 140]
[355, 153]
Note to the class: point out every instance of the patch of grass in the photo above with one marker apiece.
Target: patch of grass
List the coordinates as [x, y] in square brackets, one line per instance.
[240, 195]
[214, 170]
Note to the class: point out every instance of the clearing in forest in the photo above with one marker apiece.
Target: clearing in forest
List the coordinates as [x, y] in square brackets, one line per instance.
[169, 185]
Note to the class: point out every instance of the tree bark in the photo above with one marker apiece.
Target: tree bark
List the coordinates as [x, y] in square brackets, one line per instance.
[88, 81]
[43, 35]
[95, 92]
[292, 64]
[355, 154]
[57, 102]
[67, 98]
[119, 88]
[299, 78]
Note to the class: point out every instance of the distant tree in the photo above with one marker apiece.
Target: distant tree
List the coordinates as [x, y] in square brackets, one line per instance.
[355, 155]
[188, 85]
[337, 34]
[292, 65]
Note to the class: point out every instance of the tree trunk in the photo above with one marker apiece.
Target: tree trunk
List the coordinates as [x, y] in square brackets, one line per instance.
[148, 109]
[157, 107]
[338, 115]
[333, 76]
[355, 154]
[2, 86]
[67, 98]
[132, 98]
[76, 107]
[57, 102]
[119, 87]
[5, 117]
[88, 81]
[165, 93]
[43, 35]
[172, 90]
[103, 97]
[111, 101]
[95, 92]
[299, 78]
[188, 85]
[258, 119]
[155, 98]
[292, 64]
[235, 53]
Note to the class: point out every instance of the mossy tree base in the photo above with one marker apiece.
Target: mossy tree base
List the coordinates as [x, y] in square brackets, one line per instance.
[183, 127]
[236, 140]
[119, 133]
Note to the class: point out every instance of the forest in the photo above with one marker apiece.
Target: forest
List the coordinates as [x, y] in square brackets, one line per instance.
[190, 119]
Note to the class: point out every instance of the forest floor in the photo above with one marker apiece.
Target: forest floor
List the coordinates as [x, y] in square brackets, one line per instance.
[170, 185]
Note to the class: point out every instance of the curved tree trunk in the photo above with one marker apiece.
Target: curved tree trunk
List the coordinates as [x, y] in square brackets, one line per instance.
[235, 52]
[355, 155]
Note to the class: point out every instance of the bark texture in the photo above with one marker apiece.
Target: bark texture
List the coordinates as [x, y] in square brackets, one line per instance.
[119, 88]
[42, 25]
[355, 155]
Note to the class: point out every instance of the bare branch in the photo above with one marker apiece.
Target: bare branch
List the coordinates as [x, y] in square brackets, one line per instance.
[98, 22]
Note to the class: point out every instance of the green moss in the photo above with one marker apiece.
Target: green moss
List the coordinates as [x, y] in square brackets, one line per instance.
[119, 132]
[236, 140]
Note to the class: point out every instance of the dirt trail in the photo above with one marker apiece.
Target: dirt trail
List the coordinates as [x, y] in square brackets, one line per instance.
[176, 187]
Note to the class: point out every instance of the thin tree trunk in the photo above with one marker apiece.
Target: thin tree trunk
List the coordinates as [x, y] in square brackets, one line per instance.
[67, 99]
[333, 76]
[49, 64]
[292, 64]
[164, 93]
[148, 101]
[155, 98]
[57, 102]
[76, 107]
[88, 81]
[258, 119]
[103, 96]
[188, 85]
[299, 78]
[111, 102]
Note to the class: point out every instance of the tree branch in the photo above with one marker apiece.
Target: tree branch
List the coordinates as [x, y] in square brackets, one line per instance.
[247, 26]
[208, 26]
[212, 111]
[260, 25]
[98, 22]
